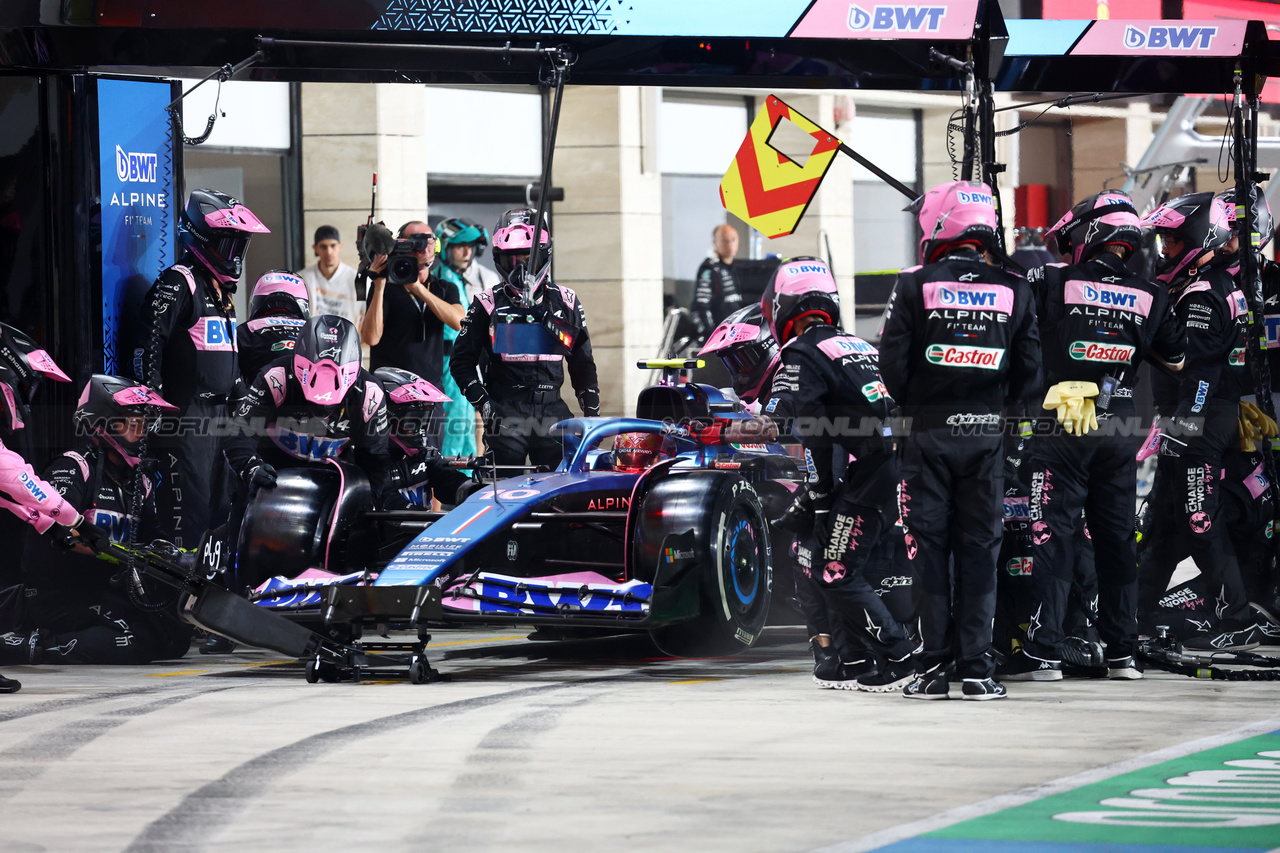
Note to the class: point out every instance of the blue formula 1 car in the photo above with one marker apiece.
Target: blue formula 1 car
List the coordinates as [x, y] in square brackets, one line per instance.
[681, 550]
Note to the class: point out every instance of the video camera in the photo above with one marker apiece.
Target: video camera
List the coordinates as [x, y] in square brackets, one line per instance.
[402, 262]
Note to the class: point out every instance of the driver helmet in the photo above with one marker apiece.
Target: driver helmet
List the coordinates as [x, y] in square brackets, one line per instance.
[216, 228]
[22, 365]
[634, 452]
[742, 341]
[1263, 223]
[326, 359]
[513, 238]
[799, 287]
[955, 212]
[1103, 219]
[1200, 221]
[279, 293]
[107, 403]
[410, 402]
[456, 231]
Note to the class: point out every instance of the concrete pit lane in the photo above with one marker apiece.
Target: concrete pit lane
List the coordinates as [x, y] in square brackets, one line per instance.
[602, 744]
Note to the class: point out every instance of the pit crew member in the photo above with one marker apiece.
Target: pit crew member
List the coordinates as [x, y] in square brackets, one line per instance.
[187, 353]
[517, 336]
[828, 393]
[278, 309]
[1097, 324]
[417, 471]
[959, 341]
[80, 607]
[1202, 408]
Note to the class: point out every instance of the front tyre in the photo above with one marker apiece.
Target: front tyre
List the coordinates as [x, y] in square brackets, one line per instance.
[736, 576]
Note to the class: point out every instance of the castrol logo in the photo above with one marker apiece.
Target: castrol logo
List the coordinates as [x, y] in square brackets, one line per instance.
[986, 358]
[1091, 351]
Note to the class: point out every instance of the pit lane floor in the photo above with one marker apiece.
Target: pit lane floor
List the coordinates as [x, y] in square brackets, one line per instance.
[599, 745]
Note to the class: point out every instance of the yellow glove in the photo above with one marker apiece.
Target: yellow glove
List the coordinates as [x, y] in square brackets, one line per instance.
[1258, 420]
[1248, 435]
[1074, 404]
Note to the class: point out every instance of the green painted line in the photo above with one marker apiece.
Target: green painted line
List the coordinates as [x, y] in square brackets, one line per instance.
[1225, 798]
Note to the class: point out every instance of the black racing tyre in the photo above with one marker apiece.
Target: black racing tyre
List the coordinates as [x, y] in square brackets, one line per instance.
[733, 556]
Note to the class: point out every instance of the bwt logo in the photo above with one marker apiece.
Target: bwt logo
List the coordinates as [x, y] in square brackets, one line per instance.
[915, 19]
[968, 298]
[800, 269]
[1110, 297]
[135, 168]
[972, 197]
[1169, 38]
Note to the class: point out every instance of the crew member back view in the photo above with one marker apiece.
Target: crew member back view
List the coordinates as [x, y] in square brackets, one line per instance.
[959, 340]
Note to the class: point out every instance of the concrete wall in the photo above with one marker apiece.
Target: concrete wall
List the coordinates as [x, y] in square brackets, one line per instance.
[608, 233]
[350, 131]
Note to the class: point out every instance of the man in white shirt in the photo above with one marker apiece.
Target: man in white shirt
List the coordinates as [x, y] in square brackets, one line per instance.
[331, 284]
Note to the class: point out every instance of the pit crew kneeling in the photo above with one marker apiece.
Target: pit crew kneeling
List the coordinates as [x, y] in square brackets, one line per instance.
[827, 393]
[305, 408]
[80, 608]
[417, 471]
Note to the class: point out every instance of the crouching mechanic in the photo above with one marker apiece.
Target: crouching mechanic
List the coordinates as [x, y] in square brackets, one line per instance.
[278, 309]
[1097, 324]
[516, 336]
[81, 608]
[417, 471]
[827, 393]
[1202, 408]
[308, 407]
[959, 341]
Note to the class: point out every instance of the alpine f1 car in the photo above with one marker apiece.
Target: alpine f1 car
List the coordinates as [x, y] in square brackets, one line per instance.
[680, 549]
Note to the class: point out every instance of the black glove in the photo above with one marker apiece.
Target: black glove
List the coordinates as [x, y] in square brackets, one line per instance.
[490, 418]
[808, 509]
[80, 532]
[258, 473]
[590, 403]
[410, 472]
[93, 536]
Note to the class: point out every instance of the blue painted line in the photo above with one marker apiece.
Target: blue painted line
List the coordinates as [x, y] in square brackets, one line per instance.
[1029, 37]
[982, 845]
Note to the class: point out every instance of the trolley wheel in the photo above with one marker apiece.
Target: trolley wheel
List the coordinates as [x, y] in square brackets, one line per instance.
[313, 674]
[419, 671]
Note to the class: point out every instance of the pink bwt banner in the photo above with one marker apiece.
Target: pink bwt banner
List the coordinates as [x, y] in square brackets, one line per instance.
[866, 19]
[1162, 38]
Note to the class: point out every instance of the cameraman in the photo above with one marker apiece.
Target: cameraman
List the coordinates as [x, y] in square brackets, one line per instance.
[404, 325]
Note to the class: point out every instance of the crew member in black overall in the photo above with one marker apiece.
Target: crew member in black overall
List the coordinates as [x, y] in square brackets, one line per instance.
[81, 608]
[30, 500]
[278, 309]
[1199, 419]
[417, 471]
[716, 295]
[187, 352]
[959, 342]
[828, 394]
[1097, 324]
[517, 335]
[305, 408]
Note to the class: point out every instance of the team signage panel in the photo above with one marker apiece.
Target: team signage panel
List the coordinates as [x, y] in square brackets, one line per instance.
[136, 185]
[1125, 38]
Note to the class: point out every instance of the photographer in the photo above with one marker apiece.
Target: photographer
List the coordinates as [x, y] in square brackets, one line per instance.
[404, 322]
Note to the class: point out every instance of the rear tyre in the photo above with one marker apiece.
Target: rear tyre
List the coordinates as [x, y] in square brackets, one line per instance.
[734, 558]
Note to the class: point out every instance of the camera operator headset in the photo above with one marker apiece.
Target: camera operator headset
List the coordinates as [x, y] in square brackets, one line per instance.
[407, 312]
